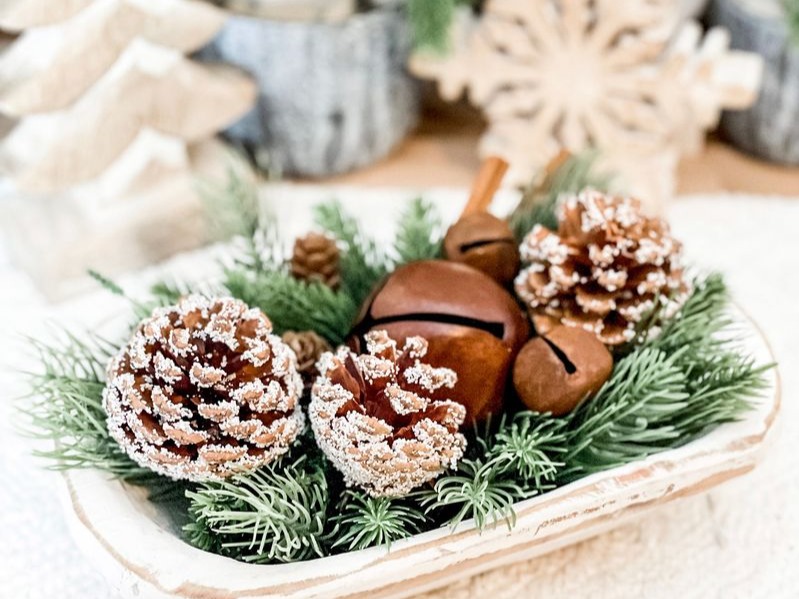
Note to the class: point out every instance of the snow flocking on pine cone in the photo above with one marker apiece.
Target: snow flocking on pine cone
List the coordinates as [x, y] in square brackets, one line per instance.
[379, 419]
[204, 390]
[606, 268]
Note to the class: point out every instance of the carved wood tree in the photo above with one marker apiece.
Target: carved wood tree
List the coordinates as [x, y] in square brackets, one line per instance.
[111, 116]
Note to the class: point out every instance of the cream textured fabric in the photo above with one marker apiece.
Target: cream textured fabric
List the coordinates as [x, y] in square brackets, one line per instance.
[740, 540]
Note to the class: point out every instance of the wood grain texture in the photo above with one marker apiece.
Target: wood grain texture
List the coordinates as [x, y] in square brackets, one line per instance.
[17, 15]
[149, 87]
[769, 129]
[49, 68]
[332, 97]
[332, 11]
[623, 76]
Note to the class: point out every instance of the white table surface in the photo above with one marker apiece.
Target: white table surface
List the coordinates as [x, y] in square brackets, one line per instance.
[740, 540]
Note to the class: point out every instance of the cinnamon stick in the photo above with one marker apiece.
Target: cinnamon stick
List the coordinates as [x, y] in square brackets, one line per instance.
[486, 185]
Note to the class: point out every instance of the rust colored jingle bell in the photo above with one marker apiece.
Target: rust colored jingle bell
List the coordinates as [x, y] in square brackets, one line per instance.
[471, 323]
[486, 243]
[556, 372]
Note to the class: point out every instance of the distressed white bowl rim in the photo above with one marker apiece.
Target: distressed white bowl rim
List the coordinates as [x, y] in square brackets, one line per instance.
[122, 533]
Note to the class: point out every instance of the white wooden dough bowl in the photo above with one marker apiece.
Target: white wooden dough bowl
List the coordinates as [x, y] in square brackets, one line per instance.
[142, 556]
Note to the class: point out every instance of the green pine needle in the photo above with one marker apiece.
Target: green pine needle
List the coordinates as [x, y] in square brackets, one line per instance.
[474, 492]
[65, 408]
[419, 234]
[294, 305]
[631, 416]
[528, 449]
[232, 208]
[539, 203]
[363, 264]
[107, 283]
[276, 514]
[365, 521]
[792, 18]
[668, 391]
[430, 22]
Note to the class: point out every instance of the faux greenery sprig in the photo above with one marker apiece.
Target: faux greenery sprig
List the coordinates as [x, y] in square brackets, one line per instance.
[431, 21]
[792, 15]
[538, 205]
[276, 514]
[365, 521]
[259, 275]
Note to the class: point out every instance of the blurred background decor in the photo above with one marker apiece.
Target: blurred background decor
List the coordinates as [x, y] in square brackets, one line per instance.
[334, 91]
[770, 128]
[692, 9]
[624, 76]
[113, 126]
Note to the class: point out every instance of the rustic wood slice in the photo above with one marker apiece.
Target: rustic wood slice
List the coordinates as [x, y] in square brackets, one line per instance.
[332, 97]
[48, 68]
[293, 10]
[770, 129]
[142, 555]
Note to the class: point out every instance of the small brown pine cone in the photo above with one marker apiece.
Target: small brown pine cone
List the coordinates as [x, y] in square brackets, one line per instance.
[316, 258]
[308, 347]
[605, 269]
[204, 390]
[374, 418]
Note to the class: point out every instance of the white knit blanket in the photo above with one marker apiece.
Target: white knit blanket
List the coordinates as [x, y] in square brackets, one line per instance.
[739, 540]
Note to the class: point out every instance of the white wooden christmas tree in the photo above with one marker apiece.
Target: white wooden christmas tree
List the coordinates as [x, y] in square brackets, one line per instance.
[625, 76]
[114, 126]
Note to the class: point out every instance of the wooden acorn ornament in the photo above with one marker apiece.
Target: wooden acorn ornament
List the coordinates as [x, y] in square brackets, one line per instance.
[480, 239]
[473, 326]
[554, 373]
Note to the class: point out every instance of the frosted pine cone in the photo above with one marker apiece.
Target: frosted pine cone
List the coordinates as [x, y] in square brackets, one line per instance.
[375, 419]
[204, 390]
[606, 269]
[316, 258]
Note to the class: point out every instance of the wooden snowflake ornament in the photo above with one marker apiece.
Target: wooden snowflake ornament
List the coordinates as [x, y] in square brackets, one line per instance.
[619, 75]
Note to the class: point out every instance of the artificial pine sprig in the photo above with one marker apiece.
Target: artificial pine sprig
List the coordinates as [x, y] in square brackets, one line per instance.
[65, 408]
[276, 514]
[475, 491]
[419, 233]
[792, 19]
[294, 305]
[630, 418]
[431, 21]
[232, 208]
[528, 448]
[666, 392]
[363, 264]
[363, 521]
[539, 202]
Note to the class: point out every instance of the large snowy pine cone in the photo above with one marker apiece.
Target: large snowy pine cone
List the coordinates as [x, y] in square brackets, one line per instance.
[374, 416]
[607, 268]
[204, 390]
